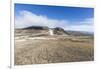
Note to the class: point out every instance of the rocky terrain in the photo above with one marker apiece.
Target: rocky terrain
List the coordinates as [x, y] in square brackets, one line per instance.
[35, 45]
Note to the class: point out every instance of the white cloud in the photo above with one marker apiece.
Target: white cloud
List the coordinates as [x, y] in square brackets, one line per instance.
[26, 18]
[85, 25]
[86, 28]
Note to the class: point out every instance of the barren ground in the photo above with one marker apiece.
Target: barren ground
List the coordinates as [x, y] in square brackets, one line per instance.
[52, 49]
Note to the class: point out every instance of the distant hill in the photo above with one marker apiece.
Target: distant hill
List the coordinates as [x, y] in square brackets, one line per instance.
[37, 27]
[56, 31]
[60, 31]
[79, 33]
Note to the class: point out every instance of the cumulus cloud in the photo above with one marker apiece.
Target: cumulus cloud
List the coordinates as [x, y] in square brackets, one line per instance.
[26, 18]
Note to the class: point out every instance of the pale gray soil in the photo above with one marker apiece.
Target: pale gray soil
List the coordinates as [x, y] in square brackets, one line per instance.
[52, 49]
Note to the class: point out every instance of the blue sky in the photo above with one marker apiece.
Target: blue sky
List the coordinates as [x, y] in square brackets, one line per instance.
[69, 18]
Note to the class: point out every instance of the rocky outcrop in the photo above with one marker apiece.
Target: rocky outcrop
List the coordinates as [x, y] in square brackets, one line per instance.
[59, 31]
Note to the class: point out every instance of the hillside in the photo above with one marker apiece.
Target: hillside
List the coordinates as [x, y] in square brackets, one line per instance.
[35, 45]
[56, 31]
